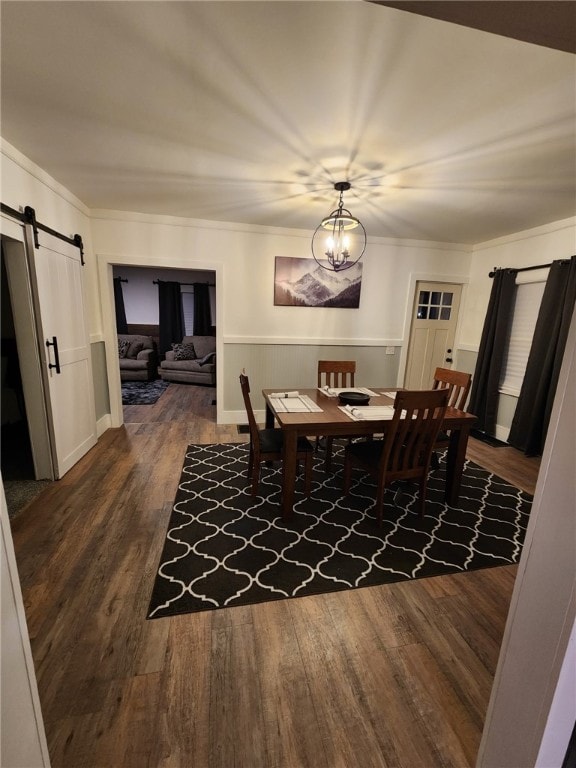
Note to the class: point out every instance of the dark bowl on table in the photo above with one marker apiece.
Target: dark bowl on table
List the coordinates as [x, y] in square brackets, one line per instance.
[353, 398]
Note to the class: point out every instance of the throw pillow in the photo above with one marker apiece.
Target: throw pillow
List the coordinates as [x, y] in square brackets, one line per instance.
[184, 351]
[123, 345]
[209, 358]
[134, 348]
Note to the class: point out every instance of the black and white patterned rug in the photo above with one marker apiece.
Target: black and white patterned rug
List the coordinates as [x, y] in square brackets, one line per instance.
[143, 392]
[225, 548]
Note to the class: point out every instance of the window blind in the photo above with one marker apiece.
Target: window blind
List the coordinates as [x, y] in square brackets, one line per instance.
[526, 308]
[188, 310]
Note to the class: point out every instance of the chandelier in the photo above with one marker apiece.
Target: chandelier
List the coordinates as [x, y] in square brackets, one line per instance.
[339, 241]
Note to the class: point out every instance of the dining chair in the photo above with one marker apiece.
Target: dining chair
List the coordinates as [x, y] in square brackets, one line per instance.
[458, 385]
[267, 444]
[456, 382]
[334, 373]
[405, 451]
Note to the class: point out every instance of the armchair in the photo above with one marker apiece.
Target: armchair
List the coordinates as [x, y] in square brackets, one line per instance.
[193, 361]
[137, 357]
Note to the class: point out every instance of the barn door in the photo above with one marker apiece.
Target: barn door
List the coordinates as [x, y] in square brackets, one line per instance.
[56, 278]
[432, 332]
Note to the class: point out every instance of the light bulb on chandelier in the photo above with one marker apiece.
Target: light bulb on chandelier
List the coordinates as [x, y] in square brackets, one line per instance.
[338, 251]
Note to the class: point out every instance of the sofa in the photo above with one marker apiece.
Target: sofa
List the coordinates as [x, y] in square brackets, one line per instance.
[193, 361]
[137, 357]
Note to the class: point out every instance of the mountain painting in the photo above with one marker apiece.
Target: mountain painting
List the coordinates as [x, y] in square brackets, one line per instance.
[304, 283]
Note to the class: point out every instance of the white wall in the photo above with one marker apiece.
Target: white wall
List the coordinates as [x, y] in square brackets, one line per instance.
[23, 740]
[243, 260]
[246, 257]
[540, 245]
[533, 670]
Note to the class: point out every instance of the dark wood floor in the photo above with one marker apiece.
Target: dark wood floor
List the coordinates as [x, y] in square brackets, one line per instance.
[398, 675]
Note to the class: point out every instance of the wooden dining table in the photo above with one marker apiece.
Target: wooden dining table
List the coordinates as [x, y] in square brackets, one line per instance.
[332, 421]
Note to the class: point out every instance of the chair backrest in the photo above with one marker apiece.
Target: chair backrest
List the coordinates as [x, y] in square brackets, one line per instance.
[408, 444]
[456, 382]
[336, 373]
[146, 341]
[254, 433]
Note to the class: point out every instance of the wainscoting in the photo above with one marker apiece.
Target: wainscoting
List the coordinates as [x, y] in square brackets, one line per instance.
[295, 365]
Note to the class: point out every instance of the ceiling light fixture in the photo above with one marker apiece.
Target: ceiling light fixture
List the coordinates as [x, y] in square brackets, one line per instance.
[335, 245]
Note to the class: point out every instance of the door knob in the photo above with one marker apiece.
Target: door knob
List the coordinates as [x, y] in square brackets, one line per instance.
[448, 359]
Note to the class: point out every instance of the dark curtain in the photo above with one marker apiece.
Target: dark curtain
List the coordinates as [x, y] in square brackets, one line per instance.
[486, 381]
[121, 324]
[202, 315]
[532, 415]
[171, 317]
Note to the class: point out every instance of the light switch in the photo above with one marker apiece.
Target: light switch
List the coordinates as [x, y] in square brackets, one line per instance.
[390, 350]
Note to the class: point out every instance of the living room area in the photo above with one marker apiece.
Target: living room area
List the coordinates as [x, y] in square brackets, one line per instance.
[164, 333]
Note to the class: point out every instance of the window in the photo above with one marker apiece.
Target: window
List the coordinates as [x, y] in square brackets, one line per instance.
[188, 309]
[434, 305]
[525, 313]
[187, 293]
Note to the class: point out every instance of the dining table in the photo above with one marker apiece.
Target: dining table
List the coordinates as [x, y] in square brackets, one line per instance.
[319, 412]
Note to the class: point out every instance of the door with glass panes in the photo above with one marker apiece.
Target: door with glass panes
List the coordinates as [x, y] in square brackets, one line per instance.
[432, 332]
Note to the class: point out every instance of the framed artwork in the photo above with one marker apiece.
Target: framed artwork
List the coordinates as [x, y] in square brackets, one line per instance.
[304, 283]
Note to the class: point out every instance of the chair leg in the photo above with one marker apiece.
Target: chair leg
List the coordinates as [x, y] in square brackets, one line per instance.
[255, 478]
[347, 475]
[422, 495]
[328, 458]
[328, 454]
[379, 504]
[308, 474]
[434, 460]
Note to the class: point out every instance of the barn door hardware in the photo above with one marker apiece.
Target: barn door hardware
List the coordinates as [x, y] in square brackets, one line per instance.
[56, 363]
[28, 216]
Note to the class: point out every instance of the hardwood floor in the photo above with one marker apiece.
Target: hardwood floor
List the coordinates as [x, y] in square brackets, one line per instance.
[506, 462]
[397, 675]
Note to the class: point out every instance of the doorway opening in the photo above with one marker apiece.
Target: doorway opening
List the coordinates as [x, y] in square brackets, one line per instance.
[138, 303]
[17, 462]
[19, 470]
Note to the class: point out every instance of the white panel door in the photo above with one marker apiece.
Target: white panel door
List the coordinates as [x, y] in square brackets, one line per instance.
[432, 332]
[65, 349]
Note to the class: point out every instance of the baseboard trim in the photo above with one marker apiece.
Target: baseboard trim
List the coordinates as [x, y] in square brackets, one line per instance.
[103, 424]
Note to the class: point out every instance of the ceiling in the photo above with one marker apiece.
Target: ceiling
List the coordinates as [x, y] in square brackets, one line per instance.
[248, 112]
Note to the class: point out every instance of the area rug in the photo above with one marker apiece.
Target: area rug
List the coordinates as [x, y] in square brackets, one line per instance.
[226, 548]
[143, 392]
[19, 493]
